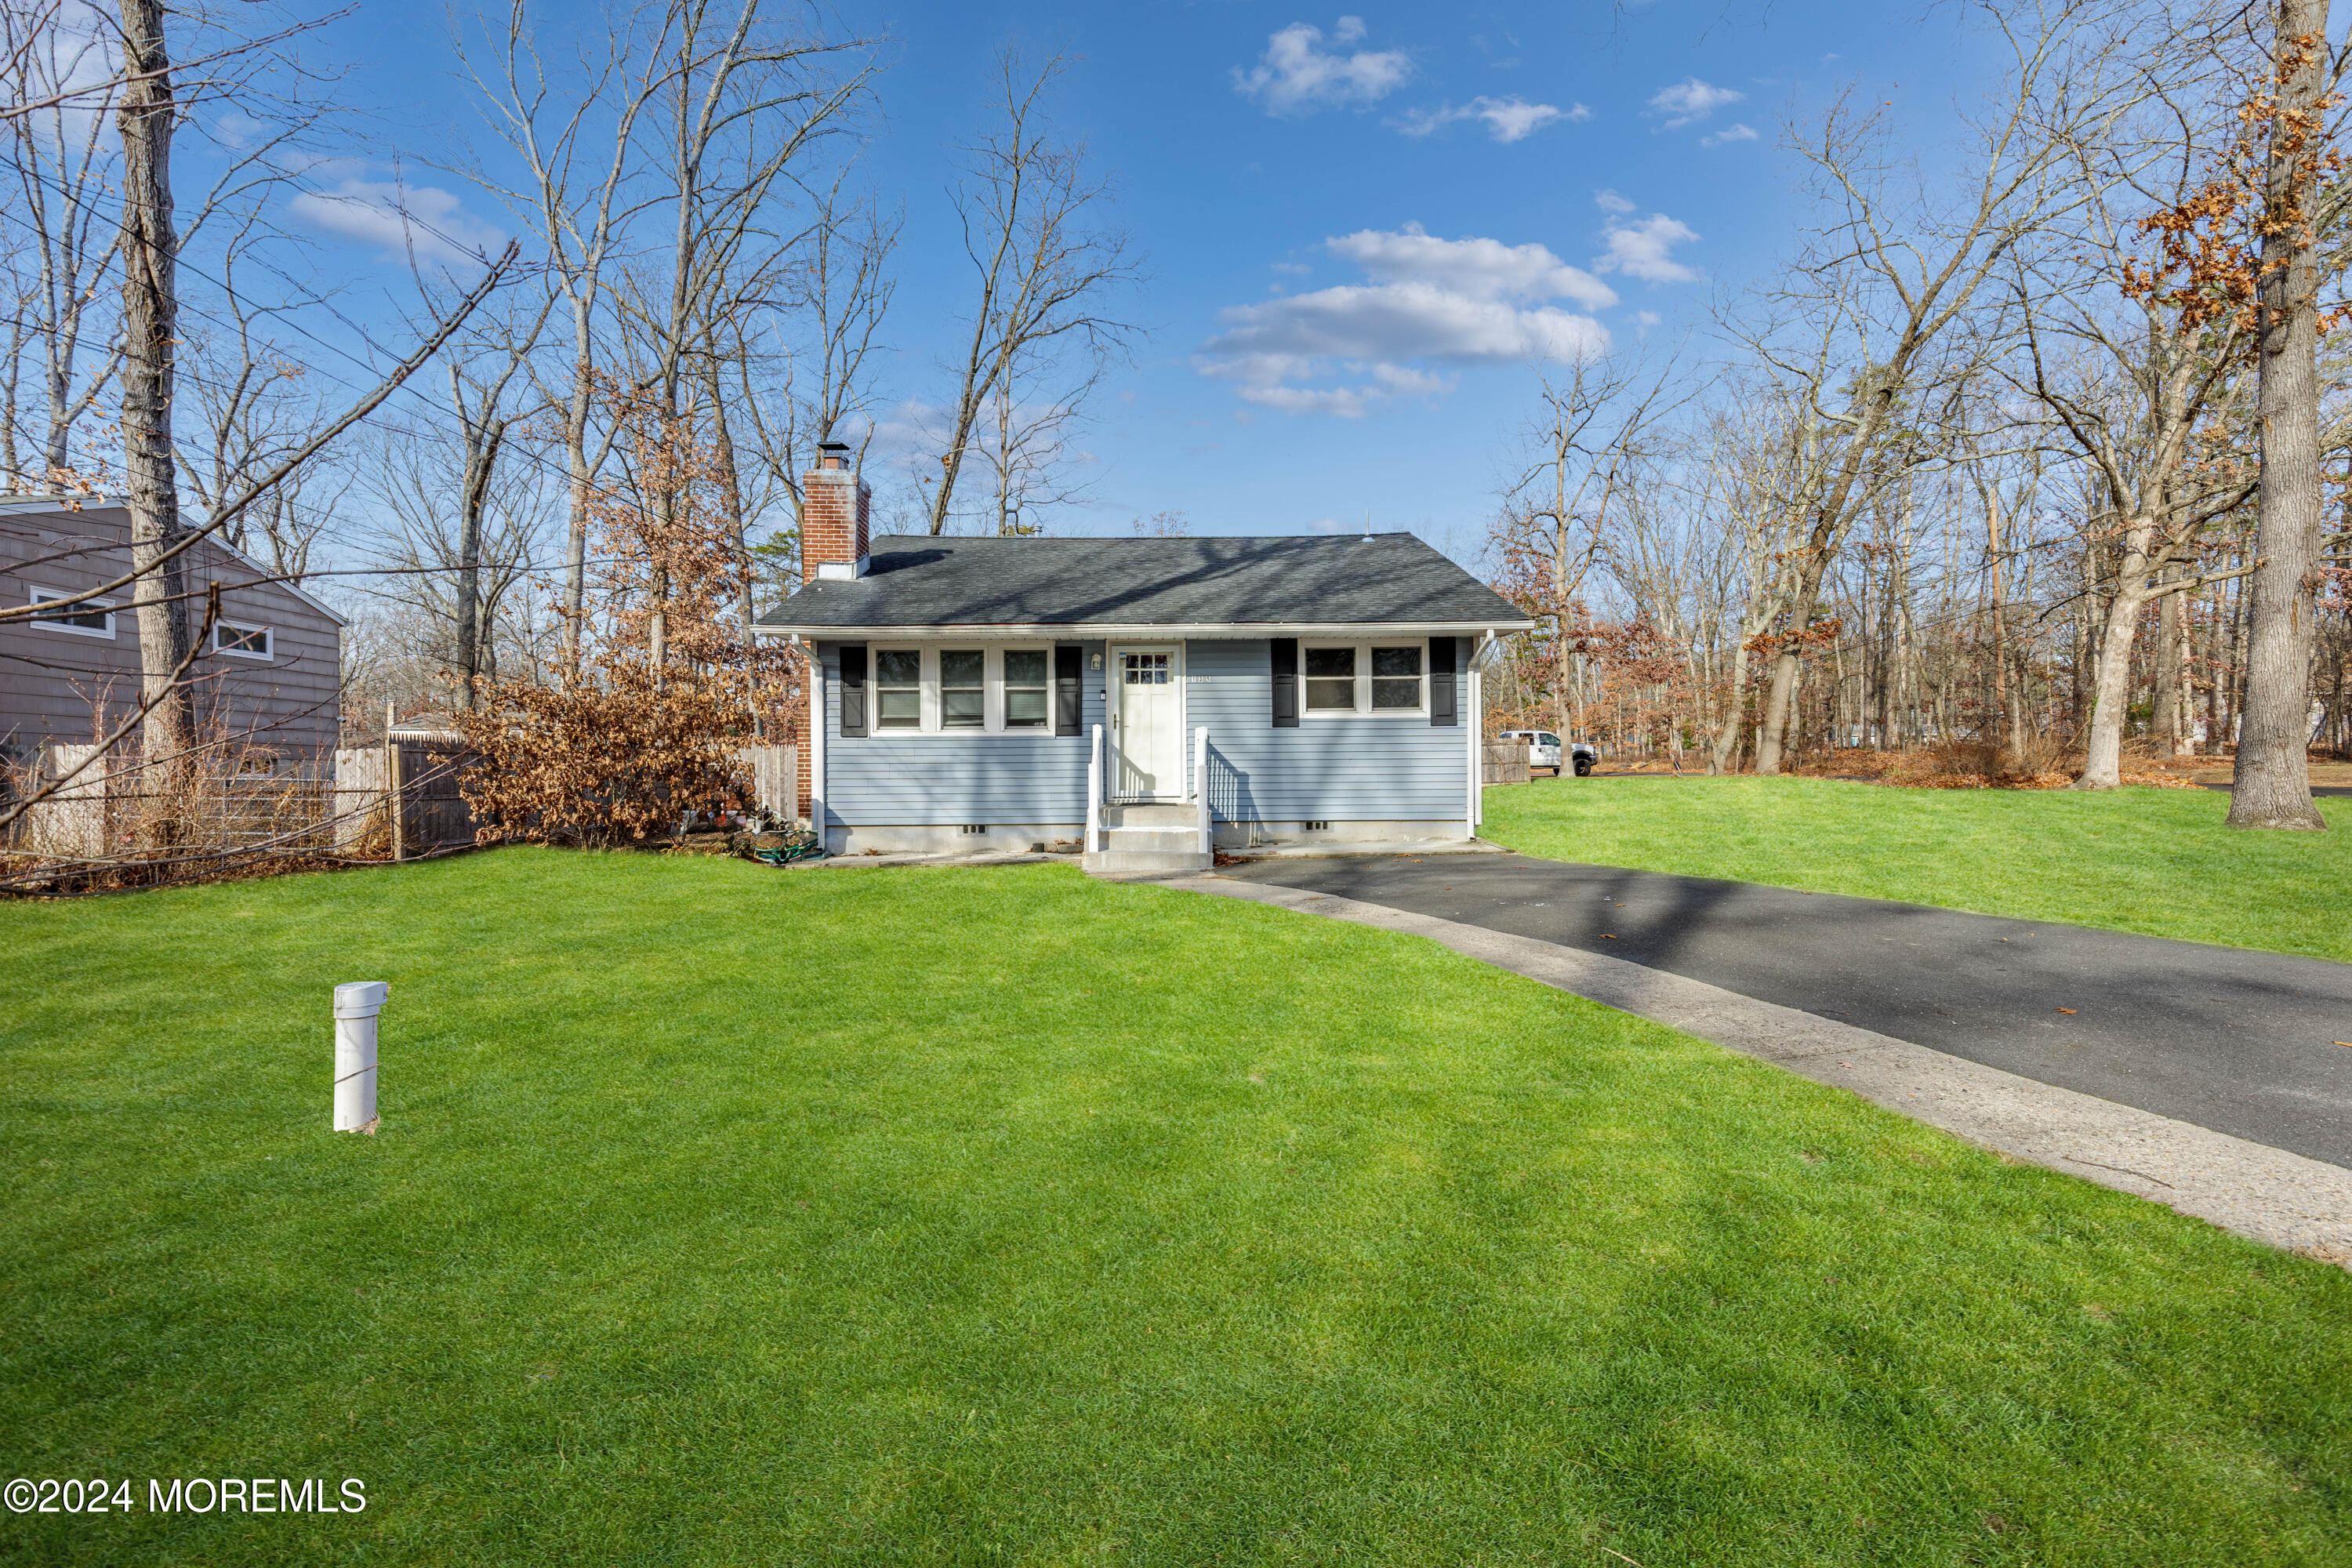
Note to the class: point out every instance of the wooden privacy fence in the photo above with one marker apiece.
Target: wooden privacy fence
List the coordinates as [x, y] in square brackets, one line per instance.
[775, 780]
[422, 769]
[426, 770]
[111, 803]
[1505, 762]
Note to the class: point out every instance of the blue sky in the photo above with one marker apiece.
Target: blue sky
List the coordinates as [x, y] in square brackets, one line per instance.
[1363, 226]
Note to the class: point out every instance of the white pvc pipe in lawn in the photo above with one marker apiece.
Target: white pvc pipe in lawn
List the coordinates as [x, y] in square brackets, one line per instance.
[356, 1006]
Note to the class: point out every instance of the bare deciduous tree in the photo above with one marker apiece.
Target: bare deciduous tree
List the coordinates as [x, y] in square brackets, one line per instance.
[1045, 263]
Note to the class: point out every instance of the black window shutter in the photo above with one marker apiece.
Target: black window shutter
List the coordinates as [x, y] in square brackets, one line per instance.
[853, 688]
[1285, 683]
[1445, 712]
[1069, 669]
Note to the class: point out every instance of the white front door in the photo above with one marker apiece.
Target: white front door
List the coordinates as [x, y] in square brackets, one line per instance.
[1148, 719]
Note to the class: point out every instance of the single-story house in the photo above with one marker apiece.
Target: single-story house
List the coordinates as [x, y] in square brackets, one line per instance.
[1153, 699]
[267, 682]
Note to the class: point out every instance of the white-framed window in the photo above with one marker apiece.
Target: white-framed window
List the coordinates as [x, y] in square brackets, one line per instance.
[961, 689]
[898, 689]
[1028, 688]
[1385, 680]
[239, 640]
[1331, 678]
[89, 618]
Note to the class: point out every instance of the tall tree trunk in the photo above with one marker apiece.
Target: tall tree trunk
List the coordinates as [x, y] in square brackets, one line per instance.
[2111, 689]
[730, 502]
[2271, 787]
[1735, 705]
[481, 461]
[577, 479]
[150, 329]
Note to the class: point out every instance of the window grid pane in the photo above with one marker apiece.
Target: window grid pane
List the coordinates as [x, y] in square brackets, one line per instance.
[86, 616]
[898, 682]
[1025, 689]
[1330, 680]
[963, 693]
[1331, 696]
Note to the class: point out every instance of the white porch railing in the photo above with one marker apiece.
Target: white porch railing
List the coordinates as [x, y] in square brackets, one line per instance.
[1201, 786]
[1095, 793]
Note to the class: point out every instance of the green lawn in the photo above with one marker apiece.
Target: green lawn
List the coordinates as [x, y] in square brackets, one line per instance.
[2152, 860]
[1000, 1217]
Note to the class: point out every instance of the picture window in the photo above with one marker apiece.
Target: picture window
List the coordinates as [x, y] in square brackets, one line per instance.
[91, 617]
[244, 641]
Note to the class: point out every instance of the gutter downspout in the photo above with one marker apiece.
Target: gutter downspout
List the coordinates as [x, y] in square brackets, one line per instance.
[817, 721]
[1475, 722]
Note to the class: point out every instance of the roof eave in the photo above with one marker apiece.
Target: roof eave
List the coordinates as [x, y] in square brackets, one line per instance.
[1088, 631]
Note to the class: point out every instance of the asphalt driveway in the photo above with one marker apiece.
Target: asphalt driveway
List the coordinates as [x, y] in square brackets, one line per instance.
[2243, 1043]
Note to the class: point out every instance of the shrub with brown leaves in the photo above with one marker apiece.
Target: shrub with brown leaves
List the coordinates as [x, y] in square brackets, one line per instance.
[668, 693]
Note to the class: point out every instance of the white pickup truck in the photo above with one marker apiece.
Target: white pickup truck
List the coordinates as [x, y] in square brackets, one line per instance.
[1546, 751]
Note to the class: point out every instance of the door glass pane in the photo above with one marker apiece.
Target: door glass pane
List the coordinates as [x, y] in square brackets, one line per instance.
[1144, 668]
[1331, 679]
[1396, 677]
[1025, 689]
[963, 688]
[898, 689]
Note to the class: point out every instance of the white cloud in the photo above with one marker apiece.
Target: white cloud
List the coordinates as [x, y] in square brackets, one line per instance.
[1479, 268]
[1642, 250]
[1647, 318]
[398, 217]
[1691, 100]
[1447, 302]
[1295, 268]
[1512, 118]
[1611, 201]
[1298, 76]
[1728, 133]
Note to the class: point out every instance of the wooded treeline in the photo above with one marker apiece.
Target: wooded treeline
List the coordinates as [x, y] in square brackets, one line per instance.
[2030, 450]
[697, 246]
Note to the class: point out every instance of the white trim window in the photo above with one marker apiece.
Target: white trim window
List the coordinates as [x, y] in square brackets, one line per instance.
[239, 640]
[1330, 678]
[963, 688]
[898, 689]
[1384, 679]
[934, 689]
[1028, 683]
[90, 618]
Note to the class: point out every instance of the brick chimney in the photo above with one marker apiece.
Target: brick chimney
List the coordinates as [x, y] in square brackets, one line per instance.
[834, 517]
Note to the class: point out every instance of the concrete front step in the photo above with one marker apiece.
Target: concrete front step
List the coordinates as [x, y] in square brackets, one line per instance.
[1117, 862]
[1163, 841]
[1175, 816]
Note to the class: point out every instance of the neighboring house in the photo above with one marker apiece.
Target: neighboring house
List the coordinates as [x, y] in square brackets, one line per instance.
[1001, 693]
[267, 680]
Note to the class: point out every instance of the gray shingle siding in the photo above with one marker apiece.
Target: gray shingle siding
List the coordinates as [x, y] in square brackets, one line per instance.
[881, 779]
[1338, 770]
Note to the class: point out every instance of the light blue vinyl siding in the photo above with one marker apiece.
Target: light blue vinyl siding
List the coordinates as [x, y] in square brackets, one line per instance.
[1336, 770]
[1332, 770]
[950, 780]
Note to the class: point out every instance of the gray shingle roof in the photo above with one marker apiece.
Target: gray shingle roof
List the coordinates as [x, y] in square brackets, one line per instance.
[917, 581]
